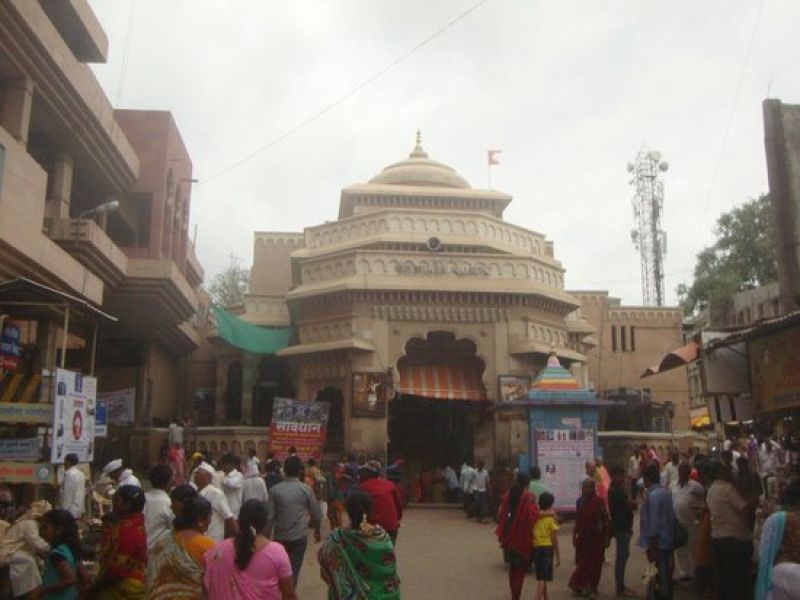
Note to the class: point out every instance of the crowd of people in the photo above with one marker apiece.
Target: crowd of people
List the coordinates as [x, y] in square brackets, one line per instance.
[231, 529]
[725, 527]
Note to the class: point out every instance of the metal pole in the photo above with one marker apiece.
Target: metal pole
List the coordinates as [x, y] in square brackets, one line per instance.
[94, 350]
[64, 341]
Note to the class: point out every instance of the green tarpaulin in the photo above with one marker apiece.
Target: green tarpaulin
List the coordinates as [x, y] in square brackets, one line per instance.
[247, 336]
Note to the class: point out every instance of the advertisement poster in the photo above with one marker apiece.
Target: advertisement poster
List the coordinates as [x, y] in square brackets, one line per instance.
[73, 419]
[119, 405]
[514, 388]
[561, 455]
[21, 412]
[369, 395]
[298, 424]
[10, 347]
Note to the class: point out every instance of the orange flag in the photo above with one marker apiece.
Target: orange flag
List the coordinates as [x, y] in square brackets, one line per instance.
[491, 156]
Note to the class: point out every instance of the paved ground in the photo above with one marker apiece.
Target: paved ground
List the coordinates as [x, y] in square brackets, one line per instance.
[443, 556]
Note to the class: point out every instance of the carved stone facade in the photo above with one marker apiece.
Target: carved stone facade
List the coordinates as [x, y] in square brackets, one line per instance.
[419, 271]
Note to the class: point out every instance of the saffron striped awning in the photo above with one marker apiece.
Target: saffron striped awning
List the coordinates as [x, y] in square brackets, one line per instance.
[442, 382]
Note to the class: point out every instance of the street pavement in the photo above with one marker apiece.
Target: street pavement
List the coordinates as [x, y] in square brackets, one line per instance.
[442, 555]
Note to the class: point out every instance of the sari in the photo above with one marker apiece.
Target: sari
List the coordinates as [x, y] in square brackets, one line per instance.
[514, 530]
[603, 482]
[123, 560]
[175, 566]
[359, 565]
[591, 534]
[177, 462]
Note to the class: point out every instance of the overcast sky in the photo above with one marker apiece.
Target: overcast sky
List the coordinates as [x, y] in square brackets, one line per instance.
[568, 90]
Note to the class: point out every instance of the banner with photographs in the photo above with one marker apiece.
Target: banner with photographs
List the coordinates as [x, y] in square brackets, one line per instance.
[119, 405]
[369, 395]
[514, 388]
[561, 455]
[300, 425]
[73, 416]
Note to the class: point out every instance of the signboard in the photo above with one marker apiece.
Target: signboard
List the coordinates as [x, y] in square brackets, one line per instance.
[22, 472]
[119, 405]
[10, 347]
[775, 370]
[298, 424]
[27, 449]
[20, 412]
[73, 419]
[369, 395]
[561, 455]
[514, 388]
[101, 419]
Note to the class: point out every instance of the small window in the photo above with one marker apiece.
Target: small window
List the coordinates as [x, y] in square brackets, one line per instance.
[633, 338]
[613, 338]
[623, 338]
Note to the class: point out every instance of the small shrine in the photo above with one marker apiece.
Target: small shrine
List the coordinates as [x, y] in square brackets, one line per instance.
[563, 420]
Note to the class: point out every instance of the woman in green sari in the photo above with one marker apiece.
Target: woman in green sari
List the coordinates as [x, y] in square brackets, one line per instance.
[359, 563]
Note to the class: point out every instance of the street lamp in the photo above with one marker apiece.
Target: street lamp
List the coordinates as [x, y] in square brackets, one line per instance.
[103, 208]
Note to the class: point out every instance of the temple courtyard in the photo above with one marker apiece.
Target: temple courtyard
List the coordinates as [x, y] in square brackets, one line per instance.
[443, 555]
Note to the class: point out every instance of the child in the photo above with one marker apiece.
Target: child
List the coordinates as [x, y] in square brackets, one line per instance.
[62, 566]
[545, 544]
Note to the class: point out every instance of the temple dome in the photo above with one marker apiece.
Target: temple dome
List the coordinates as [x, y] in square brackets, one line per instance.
[420, 170]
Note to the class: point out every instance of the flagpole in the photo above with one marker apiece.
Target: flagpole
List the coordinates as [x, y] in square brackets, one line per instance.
[489, 172]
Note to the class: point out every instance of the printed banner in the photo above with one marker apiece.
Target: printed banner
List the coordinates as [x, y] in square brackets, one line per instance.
[73, 419]
[22, 472]
[298, 424]
[514, 388]
[101, 420]
[561, 455]
[119, 405]
[369, 395]
[27, 449]
[10, 347]
[20, 412]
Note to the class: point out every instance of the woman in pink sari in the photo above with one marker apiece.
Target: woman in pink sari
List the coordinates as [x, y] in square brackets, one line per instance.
[177, 462]
[249, 566]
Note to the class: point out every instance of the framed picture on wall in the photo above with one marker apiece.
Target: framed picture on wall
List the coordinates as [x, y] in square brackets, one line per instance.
[513, 388]
[369, 395]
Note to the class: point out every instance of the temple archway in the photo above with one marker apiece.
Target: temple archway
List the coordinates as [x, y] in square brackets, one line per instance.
[438, 402]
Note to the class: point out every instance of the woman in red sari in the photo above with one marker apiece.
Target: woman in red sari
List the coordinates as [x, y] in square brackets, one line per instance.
[590, 538]
[518, 513]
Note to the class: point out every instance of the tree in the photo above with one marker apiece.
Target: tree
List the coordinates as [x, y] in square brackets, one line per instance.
[229, 287]
[742, 258]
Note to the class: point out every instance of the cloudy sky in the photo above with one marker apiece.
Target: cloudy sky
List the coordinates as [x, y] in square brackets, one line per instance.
[568, 90]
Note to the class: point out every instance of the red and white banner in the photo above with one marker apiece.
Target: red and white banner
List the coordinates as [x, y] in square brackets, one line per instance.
[301, 425]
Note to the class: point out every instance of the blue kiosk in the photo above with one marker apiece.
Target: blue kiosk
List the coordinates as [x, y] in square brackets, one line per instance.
[563, 420]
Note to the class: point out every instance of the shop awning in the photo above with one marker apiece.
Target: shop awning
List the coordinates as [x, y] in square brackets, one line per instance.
[442, 382]
[249, 337]
[27, 299]
[677, 358]
[700, 422]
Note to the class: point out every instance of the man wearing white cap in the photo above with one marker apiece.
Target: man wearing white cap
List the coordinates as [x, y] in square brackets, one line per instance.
[116, 472]
[221, 514]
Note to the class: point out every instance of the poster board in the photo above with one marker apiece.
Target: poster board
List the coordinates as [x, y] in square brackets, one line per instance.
[561, 455]
[119, 405]
[369, 395]
[299, 424]
[101, 420]
[513, 388]
[25, 472]
[21, 449]
[74, 412]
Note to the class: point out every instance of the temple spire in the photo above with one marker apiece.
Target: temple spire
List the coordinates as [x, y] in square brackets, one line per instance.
[418, 151]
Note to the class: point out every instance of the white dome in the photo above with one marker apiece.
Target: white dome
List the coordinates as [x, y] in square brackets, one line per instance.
[420, 170]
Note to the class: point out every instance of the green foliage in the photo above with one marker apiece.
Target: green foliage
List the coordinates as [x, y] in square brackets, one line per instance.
[229, 287]
[742, 258]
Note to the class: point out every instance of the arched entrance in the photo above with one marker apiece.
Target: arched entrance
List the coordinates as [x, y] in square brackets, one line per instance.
[438, 402]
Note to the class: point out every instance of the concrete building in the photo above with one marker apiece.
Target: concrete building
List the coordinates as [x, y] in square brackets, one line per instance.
[630, 339]
[421, 290]
[782, 145]
[64, 152]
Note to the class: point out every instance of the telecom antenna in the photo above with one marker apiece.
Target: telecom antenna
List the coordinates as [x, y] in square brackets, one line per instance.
[648, 237]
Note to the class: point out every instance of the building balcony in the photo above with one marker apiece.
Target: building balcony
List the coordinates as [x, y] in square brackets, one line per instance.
[194, 270]
[24, 248]
[85, 241]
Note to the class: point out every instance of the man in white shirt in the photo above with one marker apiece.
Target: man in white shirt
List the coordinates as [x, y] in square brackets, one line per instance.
[253, 460]
[634, 473]
[73, 490]
[158, 505]
[221, 514]
[119, 474]
[232, 483]
[671, 469]
[481, 481]
[451, 481]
